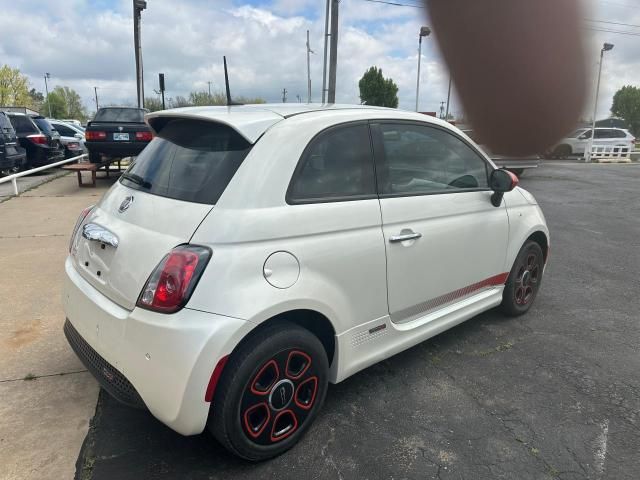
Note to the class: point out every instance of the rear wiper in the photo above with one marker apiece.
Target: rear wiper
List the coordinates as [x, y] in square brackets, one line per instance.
[137, 179]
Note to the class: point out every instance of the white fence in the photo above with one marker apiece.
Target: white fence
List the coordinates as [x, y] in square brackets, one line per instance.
[608, 152]
[14, 177]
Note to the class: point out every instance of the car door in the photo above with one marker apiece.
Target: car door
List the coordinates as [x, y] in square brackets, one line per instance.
[444, 239]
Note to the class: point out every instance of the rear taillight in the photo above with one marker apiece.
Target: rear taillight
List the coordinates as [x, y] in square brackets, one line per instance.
[144, 136]
[81, 218]
[172, 282]
[38, 138]
[89, 135]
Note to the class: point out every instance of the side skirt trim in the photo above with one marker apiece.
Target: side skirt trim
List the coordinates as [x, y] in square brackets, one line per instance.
[430, 306]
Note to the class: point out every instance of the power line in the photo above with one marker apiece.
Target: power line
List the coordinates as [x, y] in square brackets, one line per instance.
[395, 4]
[631, 34]
[613, 23]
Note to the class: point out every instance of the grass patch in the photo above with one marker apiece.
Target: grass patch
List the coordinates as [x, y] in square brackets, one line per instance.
[29, 376]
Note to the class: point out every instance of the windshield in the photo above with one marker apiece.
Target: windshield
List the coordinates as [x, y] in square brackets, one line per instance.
[577, 133]
[189, 160]
[120, 115]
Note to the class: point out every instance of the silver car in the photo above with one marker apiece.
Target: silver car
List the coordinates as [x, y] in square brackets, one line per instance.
[71, 137]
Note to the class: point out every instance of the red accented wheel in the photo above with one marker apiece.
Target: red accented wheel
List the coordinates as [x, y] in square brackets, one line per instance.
[270, 392]
[279, 397]
[524, 280]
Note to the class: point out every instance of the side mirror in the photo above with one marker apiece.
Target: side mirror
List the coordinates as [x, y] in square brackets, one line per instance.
[583, 137]
[79, 136]
[501, 181]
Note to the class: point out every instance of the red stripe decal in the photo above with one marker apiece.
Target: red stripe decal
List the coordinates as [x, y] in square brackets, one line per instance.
[450, 297]
[215, 377]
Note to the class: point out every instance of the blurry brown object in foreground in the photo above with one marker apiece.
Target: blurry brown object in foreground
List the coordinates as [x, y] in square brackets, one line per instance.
[518, 67]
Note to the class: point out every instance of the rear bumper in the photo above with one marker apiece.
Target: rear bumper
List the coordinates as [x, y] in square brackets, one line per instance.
[116, 149]
[163, 362]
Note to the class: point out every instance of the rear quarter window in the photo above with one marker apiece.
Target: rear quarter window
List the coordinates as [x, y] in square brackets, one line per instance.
[188, 160]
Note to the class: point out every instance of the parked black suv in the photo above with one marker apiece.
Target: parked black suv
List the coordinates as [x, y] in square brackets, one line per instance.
[117, 132]
[38, 137]
[12, 156]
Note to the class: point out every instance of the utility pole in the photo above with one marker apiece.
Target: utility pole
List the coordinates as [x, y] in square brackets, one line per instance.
[209, 83]
[309, 52]
[324, 61]
[424, 32]
[138, 6]
[587, 154]
[446, 115]
[46, 88]
[161, 83]
[284, 95]
[95, 91]
[333, 52]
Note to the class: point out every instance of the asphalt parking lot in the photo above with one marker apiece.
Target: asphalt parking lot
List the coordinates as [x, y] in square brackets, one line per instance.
[553, 394]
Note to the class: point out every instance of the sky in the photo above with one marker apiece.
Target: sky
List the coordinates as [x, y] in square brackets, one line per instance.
[89, 43]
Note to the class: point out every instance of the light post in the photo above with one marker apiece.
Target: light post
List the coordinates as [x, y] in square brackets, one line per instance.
[46, 88]
[138, 7]
[605, 48]
[424, 32]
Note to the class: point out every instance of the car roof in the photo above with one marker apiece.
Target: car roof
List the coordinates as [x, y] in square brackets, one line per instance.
[251, 121]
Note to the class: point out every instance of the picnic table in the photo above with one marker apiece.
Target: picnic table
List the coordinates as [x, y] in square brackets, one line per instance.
[93, 168]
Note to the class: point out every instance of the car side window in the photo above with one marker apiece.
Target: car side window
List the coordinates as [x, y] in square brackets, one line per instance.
[336, 165]
[603, 134]
[422, 160]
[64, 131]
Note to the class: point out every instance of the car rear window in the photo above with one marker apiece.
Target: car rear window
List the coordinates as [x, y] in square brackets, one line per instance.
[44, 125]
[119, 115]
[23, 124]
[188, 160]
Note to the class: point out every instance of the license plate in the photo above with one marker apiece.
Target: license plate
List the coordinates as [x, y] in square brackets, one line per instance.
[121, 136]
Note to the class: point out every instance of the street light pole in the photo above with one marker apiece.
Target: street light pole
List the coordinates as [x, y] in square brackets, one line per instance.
[309, 52]
[46, 88]
[95, 90]
[326, 40]
[138, 6]
[446, 115]
[605, 48]
[424, 32]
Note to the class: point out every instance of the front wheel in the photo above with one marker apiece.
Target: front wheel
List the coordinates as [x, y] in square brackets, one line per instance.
[270, 392]
[524, 280]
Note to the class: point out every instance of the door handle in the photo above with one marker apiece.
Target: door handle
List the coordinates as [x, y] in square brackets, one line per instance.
[404, 236]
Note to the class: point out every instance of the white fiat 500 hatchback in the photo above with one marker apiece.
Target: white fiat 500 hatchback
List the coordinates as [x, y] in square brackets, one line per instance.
[252, 254]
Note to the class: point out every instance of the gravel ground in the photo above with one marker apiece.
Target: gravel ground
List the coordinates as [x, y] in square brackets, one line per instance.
[553, 394]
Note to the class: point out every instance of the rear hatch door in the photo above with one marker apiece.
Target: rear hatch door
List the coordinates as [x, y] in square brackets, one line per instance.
[156, 205]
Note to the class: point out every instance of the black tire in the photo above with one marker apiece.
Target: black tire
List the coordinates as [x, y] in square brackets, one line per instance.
[562, 151]
[524, 280]
[95, 157]
[260, 411]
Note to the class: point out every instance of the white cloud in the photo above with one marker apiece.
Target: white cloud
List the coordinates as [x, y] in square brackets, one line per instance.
[87, 43]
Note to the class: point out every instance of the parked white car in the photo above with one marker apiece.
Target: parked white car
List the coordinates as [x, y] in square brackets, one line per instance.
[578, 141]
[71, 137]
[252, 254]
